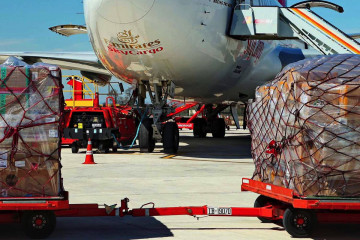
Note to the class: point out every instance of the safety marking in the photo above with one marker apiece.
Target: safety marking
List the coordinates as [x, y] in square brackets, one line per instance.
[117, 212]
[133, 153]
[147, 212]
[169, 156]
[302, 14]
[216, 161]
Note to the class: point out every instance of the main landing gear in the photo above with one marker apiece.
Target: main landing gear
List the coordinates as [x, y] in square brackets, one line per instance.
[210, 123]
[158, 127]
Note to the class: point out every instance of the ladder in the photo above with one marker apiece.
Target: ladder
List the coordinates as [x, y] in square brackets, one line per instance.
[277, 23]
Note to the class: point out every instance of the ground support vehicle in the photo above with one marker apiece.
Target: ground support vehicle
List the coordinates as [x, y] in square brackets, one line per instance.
[101, 125]
[298, 215]
[86, 119]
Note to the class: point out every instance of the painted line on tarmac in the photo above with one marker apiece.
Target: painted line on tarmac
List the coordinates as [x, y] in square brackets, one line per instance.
[138, 153]
[199, 160]
[168, 156]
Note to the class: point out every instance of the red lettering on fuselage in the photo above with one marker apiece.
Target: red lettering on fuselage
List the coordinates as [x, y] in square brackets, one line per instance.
[134, 52]
[254, 49]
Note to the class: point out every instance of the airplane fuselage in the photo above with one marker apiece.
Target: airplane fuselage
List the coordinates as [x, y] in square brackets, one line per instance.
[185, 41]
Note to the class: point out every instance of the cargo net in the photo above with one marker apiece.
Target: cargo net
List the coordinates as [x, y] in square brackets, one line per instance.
[31, 106]
[305, 127]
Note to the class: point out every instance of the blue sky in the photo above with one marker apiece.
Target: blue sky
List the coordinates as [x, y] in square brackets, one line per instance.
[348, 21]
[25, 24]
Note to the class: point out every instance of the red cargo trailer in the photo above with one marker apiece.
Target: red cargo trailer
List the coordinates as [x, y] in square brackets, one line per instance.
[299, 215]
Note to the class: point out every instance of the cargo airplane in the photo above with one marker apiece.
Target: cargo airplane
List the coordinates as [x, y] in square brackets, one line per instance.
[178, 48]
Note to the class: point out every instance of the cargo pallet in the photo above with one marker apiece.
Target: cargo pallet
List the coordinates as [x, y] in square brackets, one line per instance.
[299, 215]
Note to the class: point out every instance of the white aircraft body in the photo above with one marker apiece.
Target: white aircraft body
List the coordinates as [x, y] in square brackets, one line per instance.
[184, 41]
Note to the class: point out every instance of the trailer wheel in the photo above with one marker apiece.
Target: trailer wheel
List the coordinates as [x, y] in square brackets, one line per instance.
[218, 128]
[263, 201]
[38, 224]
[299, 223]
[171, 138]
[146, 140]
[199, 128]
[74, 147]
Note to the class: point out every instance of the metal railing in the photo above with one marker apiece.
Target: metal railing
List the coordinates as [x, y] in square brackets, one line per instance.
[87, 91]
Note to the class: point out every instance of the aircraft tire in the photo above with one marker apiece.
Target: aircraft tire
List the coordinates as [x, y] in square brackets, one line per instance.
[146, 140]
[218, 128]
[171, 138]
[199, 128]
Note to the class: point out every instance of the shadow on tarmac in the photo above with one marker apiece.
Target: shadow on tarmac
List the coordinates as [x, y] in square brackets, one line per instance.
[126, 228]
[129, 228]
[233, 146]
[337, 232]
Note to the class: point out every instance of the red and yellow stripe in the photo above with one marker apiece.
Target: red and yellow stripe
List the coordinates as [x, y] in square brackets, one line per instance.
[327, 31]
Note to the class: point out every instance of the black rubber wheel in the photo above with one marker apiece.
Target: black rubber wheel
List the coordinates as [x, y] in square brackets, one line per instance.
[199, 128]
[299, 223]
[263, 201]
[146, 140]
[74, 147]
[218, 128]
[38, 224]
[103, 147]
[171, 138]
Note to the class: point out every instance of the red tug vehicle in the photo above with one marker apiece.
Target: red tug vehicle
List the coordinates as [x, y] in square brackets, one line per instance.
[85, 118]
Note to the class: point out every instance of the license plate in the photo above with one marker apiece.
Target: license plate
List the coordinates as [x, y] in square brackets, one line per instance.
[96, 125]
[219, 211]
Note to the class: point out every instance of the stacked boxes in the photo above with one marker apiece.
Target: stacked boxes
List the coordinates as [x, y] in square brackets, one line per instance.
[31, 106]
[305, 127]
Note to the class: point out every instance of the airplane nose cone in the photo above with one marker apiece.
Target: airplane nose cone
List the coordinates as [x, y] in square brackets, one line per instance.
[124, 11]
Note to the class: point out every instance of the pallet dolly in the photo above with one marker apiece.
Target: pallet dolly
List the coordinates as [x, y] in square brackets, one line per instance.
[299, 215]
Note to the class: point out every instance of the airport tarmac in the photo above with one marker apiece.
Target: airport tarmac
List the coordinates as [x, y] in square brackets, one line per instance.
[204, 172]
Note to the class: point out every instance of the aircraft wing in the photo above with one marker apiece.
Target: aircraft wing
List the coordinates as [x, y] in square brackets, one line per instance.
[86, 62]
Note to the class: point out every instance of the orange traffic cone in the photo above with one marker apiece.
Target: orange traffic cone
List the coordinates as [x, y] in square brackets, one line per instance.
[89, 159]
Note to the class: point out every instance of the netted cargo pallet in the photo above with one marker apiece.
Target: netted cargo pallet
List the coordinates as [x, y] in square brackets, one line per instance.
[31, 107]
[305, 127]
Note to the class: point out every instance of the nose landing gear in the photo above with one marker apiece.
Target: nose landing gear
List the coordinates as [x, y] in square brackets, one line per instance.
[157, 127]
